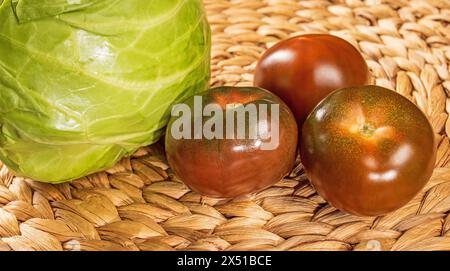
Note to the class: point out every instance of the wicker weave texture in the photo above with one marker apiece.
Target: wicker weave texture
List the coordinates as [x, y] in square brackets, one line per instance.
[140, 205]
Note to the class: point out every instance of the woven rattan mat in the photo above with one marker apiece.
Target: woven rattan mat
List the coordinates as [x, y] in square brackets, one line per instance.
[140, 205]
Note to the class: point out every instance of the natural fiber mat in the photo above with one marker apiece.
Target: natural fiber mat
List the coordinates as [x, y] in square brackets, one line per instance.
[140, 205]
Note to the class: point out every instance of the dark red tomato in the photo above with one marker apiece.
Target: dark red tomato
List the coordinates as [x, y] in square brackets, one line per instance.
[368, 150]
[305, 69]
[227, 167]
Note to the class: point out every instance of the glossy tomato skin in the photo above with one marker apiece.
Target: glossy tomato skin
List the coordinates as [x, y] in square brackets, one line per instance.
[367, 150]
[227, 168]
[303, 70]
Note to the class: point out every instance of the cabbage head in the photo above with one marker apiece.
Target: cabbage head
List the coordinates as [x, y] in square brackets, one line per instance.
[84, 83]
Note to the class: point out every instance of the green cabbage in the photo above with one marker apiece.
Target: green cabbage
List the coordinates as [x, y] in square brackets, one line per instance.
[84, 83]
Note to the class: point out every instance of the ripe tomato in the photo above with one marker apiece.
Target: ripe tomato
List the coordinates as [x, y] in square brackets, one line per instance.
[226, 167]
[305, 69]
[368, 150]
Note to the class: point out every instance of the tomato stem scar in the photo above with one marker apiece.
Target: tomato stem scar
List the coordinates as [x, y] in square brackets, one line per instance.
[367, 130]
